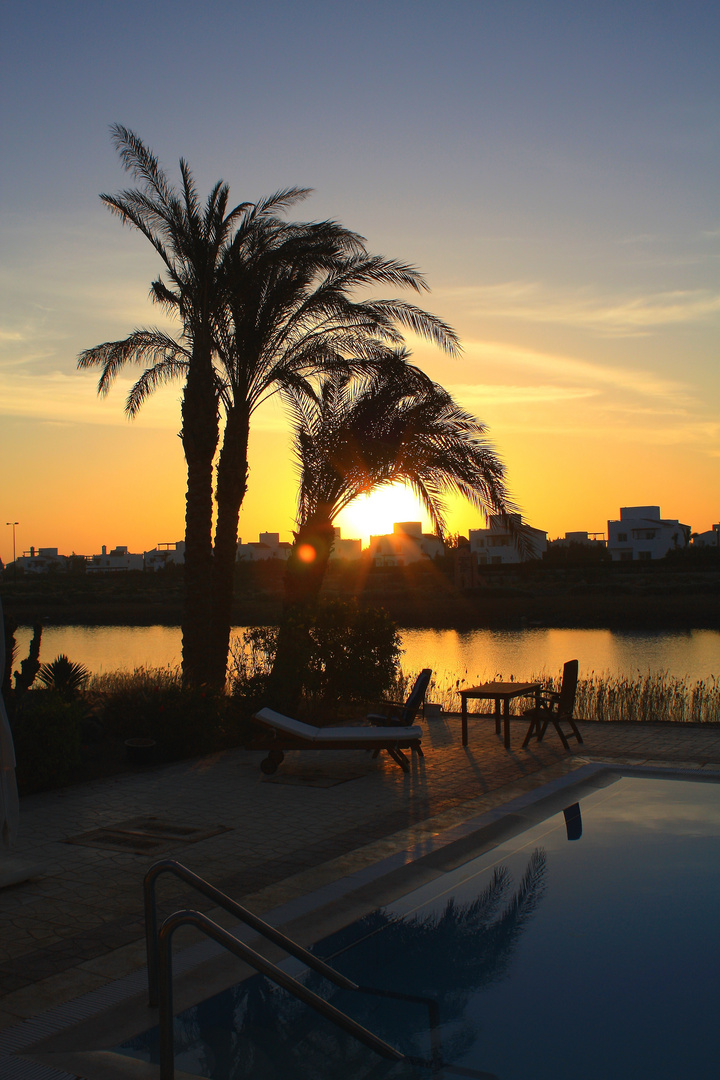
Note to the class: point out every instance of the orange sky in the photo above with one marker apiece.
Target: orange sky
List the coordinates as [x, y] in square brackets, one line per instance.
[555, 179]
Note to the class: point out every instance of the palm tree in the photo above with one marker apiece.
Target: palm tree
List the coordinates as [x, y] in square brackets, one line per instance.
[192, 241]
[360, 432]
[292, 313]
[263, 304]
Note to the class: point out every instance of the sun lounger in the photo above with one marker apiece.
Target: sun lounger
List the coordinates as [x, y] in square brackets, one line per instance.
[293, 734]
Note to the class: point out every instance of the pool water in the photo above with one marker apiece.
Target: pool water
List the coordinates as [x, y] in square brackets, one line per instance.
[588, 958]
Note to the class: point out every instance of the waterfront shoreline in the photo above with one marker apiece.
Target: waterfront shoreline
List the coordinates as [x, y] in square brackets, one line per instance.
[653, 598]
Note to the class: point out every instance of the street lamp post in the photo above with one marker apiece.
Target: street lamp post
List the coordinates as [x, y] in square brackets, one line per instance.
[13, 523]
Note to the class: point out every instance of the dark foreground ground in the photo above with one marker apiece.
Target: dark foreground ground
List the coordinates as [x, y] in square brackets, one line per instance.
[76, 924]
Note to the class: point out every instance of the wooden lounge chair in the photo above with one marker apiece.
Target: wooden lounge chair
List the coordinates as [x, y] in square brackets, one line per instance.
[403, 713]
[293, 734]
[556, 709]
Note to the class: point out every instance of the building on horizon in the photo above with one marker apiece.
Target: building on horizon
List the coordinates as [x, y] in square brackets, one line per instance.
[345, 549]
[119, 560]
[642, 534]
[268, 546]
[41, 560]
[407, 543]
[595, 539]
[496, 545]
[165, 555]
[708, 539]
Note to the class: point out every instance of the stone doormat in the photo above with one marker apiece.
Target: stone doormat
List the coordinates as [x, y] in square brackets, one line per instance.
[320, 776]
[141, 835]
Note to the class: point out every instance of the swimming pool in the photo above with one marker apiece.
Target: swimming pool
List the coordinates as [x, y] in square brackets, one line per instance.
[547, 957]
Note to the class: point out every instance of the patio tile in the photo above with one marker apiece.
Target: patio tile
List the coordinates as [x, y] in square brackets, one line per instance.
[82, 920]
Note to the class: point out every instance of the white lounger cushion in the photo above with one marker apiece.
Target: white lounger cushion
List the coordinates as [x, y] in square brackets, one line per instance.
[336, 734]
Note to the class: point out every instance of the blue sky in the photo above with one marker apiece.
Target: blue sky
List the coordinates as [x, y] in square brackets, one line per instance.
[551, 167]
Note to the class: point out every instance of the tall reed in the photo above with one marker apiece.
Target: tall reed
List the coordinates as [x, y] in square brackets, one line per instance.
[655, 697]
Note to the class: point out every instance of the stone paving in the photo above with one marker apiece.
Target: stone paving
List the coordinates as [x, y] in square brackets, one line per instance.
[77, 923]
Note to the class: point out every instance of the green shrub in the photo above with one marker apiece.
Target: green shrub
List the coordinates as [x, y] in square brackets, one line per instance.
[47, 736]
[153, 704]
[355, 656]
[251, 661]
[356, 653]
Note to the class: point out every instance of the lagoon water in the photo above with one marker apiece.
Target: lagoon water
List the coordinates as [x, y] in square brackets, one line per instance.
[471, 655]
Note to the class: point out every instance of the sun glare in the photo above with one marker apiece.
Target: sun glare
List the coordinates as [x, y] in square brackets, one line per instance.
[375, 514]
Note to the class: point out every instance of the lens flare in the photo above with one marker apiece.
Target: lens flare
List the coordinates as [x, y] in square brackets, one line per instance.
[306, 553]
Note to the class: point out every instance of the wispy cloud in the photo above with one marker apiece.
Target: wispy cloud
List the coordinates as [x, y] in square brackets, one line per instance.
[58, 397]
[621, 316]
[496, 394]
[579, 373]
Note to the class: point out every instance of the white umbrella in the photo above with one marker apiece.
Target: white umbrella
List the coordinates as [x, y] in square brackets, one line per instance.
[9, 806]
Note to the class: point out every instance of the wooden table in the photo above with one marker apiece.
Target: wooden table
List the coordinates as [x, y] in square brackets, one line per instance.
[499, 692]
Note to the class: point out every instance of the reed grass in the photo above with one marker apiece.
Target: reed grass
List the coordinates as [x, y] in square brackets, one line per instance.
[656, 697]
[139, 679]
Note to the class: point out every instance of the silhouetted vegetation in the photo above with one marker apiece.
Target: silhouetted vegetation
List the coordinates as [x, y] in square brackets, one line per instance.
[356, 434]
[652, 698]
[263, 304]
[349, 654]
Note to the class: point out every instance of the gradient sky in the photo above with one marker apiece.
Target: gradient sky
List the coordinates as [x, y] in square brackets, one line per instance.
[551, 167]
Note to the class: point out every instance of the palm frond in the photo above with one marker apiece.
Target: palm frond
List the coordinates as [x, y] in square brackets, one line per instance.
[163, 372]
[148, 347]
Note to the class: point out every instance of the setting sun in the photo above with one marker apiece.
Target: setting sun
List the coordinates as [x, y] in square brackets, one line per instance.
[375, 514]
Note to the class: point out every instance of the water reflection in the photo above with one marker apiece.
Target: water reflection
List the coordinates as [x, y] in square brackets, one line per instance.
[449, 956]
[473, 655]
[573, 821]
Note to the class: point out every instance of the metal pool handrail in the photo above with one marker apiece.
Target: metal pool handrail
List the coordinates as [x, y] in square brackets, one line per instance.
[265, 967]
[159, 957]
[171, 866]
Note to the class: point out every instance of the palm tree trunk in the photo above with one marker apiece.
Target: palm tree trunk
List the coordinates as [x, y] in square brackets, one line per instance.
[304, 576]
[232, 475]
[199, 437]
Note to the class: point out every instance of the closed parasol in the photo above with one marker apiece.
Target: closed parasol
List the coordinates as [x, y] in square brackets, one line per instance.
[9, 808]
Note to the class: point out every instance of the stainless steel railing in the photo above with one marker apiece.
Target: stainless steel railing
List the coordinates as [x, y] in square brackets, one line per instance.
[160, 989]
[171, 866]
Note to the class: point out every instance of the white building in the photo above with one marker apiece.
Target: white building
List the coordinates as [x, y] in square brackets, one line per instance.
[345, 549]
[642, 534]
[586, 538]
[119, 560]
[42, 560]
[269, 546]
[496, 546]
[710, 539]
[406, 544]
[165, 555]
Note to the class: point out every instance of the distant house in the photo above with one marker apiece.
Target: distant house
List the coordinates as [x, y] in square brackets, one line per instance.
[586, 538]
[269, 546]
[496, 545]
[119, 560]
[165, 555]
[709, 539]
[642, 534]
[345, 549]
[406, 544]
[41, 560]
